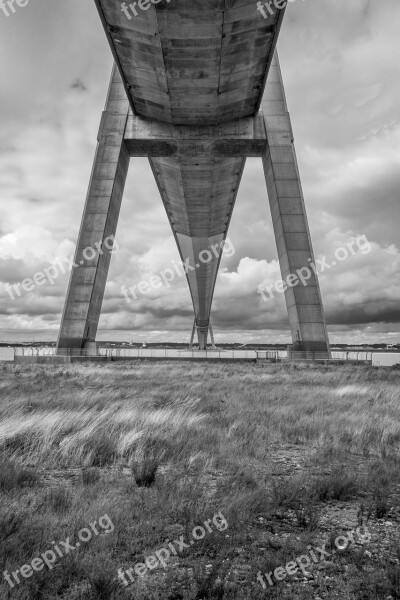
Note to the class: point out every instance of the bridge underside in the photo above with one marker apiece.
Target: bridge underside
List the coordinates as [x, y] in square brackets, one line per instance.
[198, 170]
[200, 64]
[192, 62]
[187, 92]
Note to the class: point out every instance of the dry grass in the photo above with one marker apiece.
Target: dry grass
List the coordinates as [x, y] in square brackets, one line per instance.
[161, 447]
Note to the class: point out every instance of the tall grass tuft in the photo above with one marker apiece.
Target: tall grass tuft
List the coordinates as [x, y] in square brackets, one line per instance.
[144, 471]
[90, 476]
[12, 476]
[338, 485]
[58, 500]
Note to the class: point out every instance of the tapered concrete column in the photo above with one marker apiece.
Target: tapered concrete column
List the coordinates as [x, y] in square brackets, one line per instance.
[292, 234]
[192, 336]
[100, 216]
[202, 335]
[212, 337]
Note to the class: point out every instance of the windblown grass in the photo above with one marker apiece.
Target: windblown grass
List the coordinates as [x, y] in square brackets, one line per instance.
[161, 447]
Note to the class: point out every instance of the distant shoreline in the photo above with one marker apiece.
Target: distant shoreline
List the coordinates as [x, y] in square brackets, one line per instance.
[234, 346]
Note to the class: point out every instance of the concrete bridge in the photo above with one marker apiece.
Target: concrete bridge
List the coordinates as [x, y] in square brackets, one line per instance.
[197, 88]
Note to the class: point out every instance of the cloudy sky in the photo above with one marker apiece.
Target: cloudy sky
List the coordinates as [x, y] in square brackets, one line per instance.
[340, 62]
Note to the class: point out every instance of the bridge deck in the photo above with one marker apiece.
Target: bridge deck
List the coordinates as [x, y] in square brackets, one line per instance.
[192, 61]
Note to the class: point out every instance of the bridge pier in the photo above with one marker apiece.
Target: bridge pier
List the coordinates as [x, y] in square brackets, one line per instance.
[303, 300]
[97, 232]
[202, 336]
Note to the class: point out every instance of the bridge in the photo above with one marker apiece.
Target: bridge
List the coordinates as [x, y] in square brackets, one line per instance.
[197, 88]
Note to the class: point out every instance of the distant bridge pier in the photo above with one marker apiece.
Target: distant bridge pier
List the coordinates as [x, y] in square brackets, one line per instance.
[202, 335]
[192, 336]
[212, 337]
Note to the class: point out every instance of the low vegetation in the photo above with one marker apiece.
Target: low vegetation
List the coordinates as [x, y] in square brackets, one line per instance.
[292, 456]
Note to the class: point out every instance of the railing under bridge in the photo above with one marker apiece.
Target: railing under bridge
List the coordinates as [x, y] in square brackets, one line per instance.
[149, 353]
[271, 355]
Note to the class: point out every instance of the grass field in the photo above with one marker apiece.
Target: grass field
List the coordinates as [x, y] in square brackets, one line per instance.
[269, 462]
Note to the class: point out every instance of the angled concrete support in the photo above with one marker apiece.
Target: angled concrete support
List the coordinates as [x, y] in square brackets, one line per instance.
[99, 222]
[306, 316]
[202, 335]
[212, 337]
[192, 336]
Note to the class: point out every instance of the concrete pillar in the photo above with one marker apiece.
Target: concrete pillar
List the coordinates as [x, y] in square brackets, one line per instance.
[212, 337]
[306, 316]
[192, 336]
[202, 335]
[99, 222]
